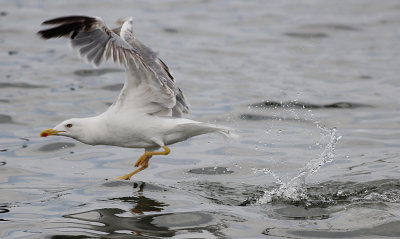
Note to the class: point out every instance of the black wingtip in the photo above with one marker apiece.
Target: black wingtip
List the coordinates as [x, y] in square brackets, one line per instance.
[68, 19]
[68, 26]
[64, 30]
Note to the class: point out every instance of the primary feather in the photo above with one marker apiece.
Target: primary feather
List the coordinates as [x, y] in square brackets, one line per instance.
[149, 86]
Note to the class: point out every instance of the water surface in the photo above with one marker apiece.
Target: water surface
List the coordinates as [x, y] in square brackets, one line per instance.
[311, 88]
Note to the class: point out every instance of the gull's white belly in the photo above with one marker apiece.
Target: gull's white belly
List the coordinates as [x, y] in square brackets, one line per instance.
[145, 131]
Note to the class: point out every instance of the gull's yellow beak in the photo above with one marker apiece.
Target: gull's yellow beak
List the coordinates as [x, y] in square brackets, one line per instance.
[48, 132]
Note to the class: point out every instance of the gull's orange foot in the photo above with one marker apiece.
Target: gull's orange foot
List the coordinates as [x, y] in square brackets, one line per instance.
[143, 161]
[125, 177]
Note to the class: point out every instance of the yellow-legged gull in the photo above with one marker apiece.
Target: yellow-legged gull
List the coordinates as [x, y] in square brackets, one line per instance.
[147, 113]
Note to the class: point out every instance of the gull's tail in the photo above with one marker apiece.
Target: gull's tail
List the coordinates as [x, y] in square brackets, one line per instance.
[186, 128]
[204, 128]
[226, 132]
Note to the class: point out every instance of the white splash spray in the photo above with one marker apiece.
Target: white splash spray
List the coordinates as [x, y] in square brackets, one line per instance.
[294, 190]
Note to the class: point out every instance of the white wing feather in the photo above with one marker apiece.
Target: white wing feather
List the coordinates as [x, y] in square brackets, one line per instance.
[149, 87]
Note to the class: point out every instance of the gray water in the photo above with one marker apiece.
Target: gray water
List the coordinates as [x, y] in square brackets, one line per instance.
[311, 88]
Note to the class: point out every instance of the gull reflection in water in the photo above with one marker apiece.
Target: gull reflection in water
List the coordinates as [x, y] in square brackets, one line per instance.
[118, 222]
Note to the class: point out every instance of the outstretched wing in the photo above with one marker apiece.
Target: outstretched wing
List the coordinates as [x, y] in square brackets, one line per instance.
[149, 87]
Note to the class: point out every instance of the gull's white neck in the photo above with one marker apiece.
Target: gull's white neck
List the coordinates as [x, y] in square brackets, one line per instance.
[90, 129]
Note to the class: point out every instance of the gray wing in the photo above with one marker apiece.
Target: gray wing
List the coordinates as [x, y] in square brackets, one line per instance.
[151, 58]
[149, 87]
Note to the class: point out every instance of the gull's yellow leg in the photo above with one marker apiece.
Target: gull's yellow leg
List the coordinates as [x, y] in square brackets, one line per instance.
[128, 176]
[143, 161]
[149, 154]
[166, 151]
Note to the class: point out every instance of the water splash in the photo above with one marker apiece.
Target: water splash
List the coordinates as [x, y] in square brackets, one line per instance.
[294, 189]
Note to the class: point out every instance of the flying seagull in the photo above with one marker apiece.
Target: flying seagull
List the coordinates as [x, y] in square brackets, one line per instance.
[147, 113]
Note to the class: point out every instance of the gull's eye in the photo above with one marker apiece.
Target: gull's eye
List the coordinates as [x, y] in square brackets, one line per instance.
[68, 125]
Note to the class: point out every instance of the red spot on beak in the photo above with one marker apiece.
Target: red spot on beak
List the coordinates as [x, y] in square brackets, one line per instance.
[44, 135]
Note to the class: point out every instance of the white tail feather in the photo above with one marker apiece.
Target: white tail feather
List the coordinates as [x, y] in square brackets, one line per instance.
[225, 131]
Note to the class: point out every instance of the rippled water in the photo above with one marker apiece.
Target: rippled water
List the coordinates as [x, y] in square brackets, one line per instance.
[311, 88]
